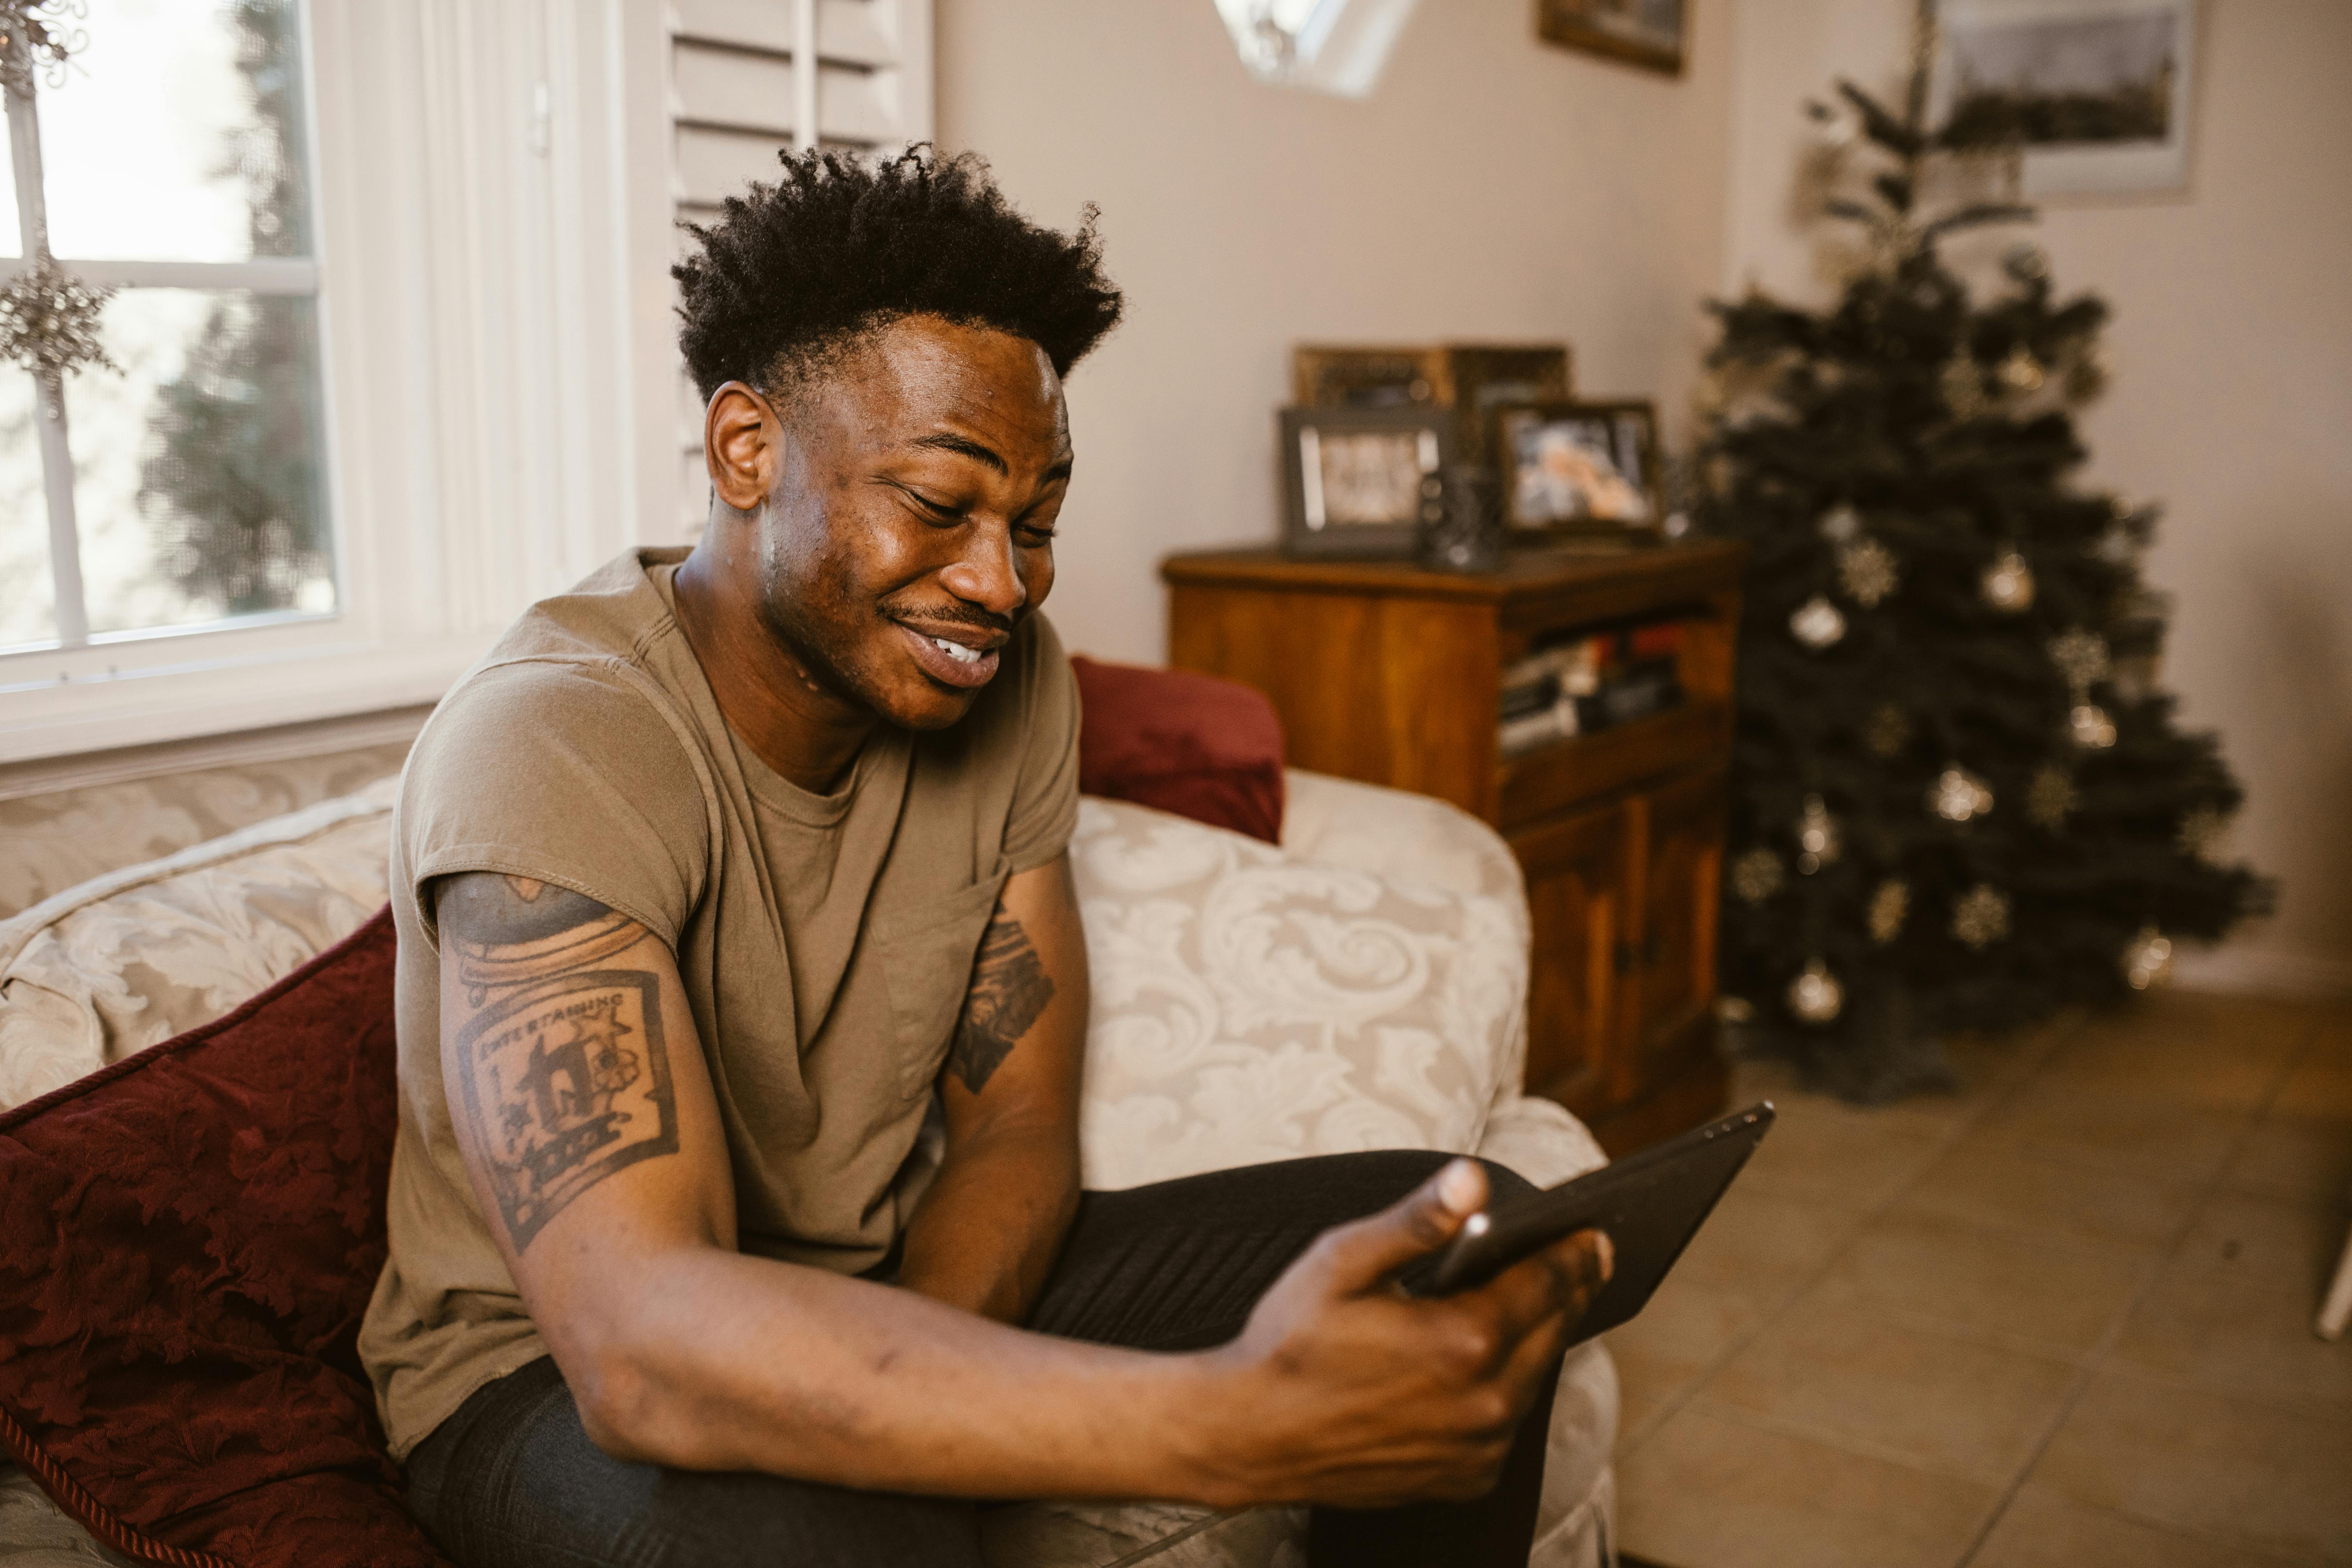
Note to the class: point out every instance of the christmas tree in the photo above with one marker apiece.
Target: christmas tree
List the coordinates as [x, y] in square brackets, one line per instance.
[1959, 802]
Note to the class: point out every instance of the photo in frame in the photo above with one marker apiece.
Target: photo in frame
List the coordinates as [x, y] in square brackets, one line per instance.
[2094, 92]
[1363, 483]
[1646, 33]
[1578, 467]
[1467, 377]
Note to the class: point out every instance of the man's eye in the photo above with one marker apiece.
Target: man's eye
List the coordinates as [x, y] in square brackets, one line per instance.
[1035, 537]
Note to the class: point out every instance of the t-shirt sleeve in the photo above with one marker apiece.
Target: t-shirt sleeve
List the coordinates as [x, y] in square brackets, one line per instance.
[1045, 798]
[564, 773]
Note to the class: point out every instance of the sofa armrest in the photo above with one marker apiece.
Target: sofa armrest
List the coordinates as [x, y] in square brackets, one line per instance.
[1392, 833]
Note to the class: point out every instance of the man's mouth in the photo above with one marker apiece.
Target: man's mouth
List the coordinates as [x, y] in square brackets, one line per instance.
[950, 661]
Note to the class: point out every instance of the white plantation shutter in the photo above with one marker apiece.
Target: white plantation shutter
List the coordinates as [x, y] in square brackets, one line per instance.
[750, 77]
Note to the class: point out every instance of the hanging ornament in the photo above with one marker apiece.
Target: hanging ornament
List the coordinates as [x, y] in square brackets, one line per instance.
[2025, 262]
[1889, 908]
[2008, 584]
[1817, 836]
[1888, 731]
[1817, 623]
[1964, 388]
[1735, 1009]
[2081, 657]
[2201, 832]
[1866, 569]
[1959, 795]
[1756, 876]
[1815, 996]
[2148, 959]
[2051, 796]
[2088, 723]
[1840, 524]
[2020, 373]
[1981, 917]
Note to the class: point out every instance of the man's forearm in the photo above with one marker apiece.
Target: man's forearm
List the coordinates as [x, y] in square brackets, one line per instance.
[741, 1363]
[984, 1238]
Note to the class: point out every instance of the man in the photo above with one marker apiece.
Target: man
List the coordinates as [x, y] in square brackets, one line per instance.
[722, 871]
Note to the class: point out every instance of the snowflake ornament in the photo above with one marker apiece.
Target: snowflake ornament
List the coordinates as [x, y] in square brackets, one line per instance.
[1866, 570]
[1981, 917]
[1756, 876]
[1889, 908]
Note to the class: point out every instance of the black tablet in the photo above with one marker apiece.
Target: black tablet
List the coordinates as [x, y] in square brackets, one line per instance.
[1649, 1204]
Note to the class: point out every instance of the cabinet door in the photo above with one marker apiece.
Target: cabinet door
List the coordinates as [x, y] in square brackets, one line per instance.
[1575, 869]
[1681, 830]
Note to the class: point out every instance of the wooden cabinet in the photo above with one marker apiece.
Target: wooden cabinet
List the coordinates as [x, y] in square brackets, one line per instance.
[1389, 674]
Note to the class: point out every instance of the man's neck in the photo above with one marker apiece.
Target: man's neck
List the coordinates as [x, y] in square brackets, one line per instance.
[763, 689]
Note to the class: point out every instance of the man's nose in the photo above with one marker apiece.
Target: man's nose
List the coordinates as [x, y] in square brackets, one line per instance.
[988, 573]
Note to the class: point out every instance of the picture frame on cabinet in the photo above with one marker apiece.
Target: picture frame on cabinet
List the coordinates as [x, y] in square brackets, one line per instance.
[1362, 483]
[1578, 467]
[1646, 33]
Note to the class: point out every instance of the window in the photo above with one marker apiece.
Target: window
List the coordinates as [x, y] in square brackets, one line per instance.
[161, 156]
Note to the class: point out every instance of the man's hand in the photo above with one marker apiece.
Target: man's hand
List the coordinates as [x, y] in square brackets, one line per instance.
[1346, 1391]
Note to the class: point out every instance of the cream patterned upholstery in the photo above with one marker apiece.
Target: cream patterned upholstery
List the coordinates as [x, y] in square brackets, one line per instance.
[1363, 986]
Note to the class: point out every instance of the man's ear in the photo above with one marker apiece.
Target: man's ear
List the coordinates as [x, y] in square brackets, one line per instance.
[740, 435]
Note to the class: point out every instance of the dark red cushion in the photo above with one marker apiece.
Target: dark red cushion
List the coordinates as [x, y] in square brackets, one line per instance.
[187, 1240]
[1183, 743]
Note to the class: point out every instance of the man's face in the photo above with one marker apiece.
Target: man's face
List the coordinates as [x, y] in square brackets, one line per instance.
[910, 527]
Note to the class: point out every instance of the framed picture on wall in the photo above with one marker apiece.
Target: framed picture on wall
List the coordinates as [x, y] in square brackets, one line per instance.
[1646, 33]
[1363, 482]
[2096, 91]
[1578, 467]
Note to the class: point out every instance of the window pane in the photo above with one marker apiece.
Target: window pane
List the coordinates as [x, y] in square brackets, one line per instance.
[196, 472]
[28, 598]
[177, 134]
[10, 243]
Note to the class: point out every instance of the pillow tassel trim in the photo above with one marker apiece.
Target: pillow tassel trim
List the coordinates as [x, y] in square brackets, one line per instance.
[87, 1511]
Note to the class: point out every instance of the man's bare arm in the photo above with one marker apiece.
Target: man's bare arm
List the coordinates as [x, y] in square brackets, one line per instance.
[608, 1189]
[985, 1235]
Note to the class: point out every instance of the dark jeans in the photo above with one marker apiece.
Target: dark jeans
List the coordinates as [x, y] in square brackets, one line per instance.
[512, 1481]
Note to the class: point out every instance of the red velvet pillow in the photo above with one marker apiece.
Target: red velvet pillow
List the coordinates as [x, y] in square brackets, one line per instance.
[187, 1240]
[1182, 743]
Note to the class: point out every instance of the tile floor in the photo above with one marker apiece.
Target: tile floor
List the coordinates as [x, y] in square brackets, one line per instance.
[2059, 1320]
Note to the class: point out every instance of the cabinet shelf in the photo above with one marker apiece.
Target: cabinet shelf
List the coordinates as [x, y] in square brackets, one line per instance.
[1388, 674]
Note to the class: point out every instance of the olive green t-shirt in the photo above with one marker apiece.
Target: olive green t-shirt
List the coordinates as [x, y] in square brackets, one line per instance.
[824, 943]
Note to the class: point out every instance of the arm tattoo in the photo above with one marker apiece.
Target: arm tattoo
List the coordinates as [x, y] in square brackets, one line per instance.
[561, 1073]
[1010, 988]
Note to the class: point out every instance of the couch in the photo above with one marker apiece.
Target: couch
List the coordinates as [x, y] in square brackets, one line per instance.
[1362, 984]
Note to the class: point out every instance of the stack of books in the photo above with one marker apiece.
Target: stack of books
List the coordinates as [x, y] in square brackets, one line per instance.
[1590, 683]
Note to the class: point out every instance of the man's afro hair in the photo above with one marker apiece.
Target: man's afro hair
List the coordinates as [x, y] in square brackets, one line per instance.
[791, 272]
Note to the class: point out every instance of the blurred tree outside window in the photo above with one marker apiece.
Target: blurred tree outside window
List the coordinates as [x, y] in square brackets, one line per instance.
[171, 160]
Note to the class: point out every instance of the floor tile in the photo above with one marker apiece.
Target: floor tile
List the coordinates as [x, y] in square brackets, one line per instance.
[2295, 1156]
[1762, 1244]
[2232, 1308]
[2029, 1291]
[2321, 1083]
[1714, 1492]
[2259, 1474]
[2207, 1070]
[2042, 1529]
[1848, 1157]
[1847, 1374]
[1987, 1180]
[2132, 1136]
[1661, 1354]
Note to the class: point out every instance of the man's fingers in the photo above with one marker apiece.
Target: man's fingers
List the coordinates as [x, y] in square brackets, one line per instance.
[1562, 1279]
[1358, 1256]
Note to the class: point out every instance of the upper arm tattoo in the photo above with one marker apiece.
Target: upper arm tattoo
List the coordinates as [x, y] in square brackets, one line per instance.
[1009, 990]
[563, 1074]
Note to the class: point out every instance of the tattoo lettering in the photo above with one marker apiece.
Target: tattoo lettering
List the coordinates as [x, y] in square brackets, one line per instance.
[564, 1075]
[1009, 990]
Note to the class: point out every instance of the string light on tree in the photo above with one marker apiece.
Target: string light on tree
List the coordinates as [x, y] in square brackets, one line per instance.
[1815, 996]
[2008, 584]
[2021, 373]
[2148, 959]
[1980, 918]
[2091, 727]
[1817, 836]
[1959, 795]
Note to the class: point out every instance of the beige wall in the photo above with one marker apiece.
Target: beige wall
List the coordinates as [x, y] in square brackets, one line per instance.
[1492, 186]
[2231, 402]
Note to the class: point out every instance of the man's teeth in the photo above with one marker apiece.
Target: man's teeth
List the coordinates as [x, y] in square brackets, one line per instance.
[956, 651]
